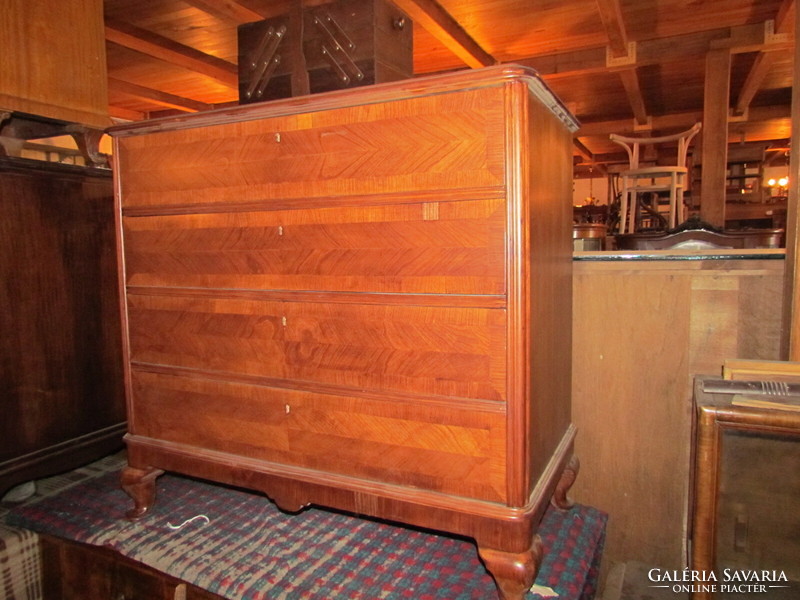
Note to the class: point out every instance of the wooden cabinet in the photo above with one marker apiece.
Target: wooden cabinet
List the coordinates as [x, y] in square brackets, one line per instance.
[359, 300]
[73, 571]
[341, 45]
[746, 511]
[63, 399]
[68, 84]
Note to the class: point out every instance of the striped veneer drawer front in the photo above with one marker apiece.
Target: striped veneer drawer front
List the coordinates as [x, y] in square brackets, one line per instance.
[441, 351]
[458, 449]
[444, 142]
[430, 247]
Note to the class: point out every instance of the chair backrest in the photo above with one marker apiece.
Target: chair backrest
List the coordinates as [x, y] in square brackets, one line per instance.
[632, 144]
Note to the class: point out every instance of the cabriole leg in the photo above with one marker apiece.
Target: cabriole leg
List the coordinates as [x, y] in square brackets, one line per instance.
[140, 484]
[514, 573]
[568, 477]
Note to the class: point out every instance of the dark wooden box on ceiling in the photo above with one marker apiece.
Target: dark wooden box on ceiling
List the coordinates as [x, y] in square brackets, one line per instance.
[323, 48]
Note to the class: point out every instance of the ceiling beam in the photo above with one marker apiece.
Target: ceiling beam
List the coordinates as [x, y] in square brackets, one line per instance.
[614, 25]
[751, 38]
[156, 96]
[229, 10]
[755, 77]
[764, 60]
[714, 143]
[587, 155]
[441, 25]
[680, 120]
[784, 18]
[172, 52]
[117, 112]
[630, 81]
[745, 38]
[611, 16]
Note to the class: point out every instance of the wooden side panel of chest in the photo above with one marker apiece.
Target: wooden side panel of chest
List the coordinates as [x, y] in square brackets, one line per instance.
[358, 305]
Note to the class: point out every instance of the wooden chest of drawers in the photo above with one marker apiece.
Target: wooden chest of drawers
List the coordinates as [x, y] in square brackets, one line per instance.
[360, 300]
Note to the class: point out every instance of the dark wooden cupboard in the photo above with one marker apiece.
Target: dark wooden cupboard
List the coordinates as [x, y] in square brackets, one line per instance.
[74, 571]
[60, 349]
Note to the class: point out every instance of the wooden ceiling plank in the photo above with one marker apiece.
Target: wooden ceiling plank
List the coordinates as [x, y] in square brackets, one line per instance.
[156, 96]
[228, 10]
[117, 112]
[440, 24]
[171, 51]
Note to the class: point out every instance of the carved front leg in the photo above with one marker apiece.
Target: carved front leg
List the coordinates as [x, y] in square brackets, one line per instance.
[514, 573]
[140, 484]
[568, 477]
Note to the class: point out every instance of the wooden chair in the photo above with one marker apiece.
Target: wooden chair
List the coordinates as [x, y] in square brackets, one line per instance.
[637, 180]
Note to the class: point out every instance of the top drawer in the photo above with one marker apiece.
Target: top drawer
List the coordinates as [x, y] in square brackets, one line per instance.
[443, 142]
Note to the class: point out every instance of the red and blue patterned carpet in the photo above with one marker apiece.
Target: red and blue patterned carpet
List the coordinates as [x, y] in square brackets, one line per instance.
[239, 545]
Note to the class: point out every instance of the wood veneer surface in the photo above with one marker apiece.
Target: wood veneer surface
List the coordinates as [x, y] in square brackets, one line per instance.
[642, 331]
[358, 300]
[62, 398]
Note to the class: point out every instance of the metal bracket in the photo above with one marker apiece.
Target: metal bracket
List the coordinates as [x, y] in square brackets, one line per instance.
[336, 49]
[264, 61]
[770, 37]
[621, 61]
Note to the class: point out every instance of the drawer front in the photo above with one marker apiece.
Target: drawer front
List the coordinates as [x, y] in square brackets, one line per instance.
[445, 448]
[433, 247]
[434, 351]
[444, 142]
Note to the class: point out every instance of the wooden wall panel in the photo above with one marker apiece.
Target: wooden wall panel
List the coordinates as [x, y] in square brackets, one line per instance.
[641, 332]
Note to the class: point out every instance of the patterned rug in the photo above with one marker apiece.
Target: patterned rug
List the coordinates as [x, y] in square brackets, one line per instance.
[239, 545]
